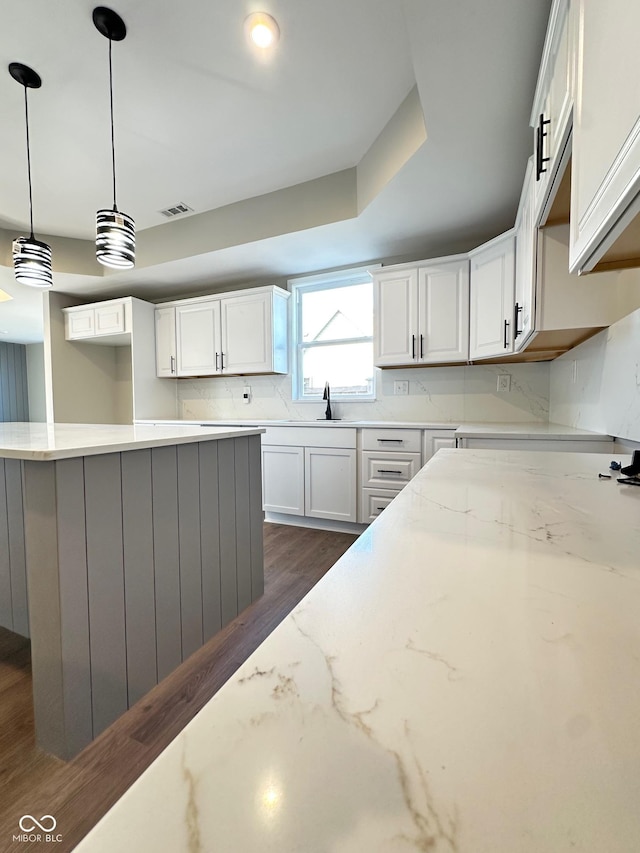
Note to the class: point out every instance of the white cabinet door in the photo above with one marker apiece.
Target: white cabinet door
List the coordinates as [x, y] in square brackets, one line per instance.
[80, 324]
[525, 281]
[198, 338]
[110, 319]
[605, 171]
[434, 440]
[283, 479]
[395, 311]
[330, 483]
[443, 312]
[247, 345]
[492, 292]
[166, 342]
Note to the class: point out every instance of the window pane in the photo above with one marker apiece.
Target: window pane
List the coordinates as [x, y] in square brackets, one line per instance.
[348, 368]
[337, 313]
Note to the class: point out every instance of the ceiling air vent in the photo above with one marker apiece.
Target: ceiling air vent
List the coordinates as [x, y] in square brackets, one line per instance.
[178, 209]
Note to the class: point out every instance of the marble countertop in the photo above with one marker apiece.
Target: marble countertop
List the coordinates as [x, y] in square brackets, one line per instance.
[526, 430]
[42, 442]
[466, 678]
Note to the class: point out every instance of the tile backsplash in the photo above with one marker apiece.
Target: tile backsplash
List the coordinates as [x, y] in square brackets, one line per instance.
[596, 386]
[436, 394]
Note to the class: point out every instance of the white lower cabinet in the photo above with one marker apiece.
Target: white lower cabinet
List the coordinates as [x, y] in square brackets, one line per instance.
[283, 479]
[374, 501]
[310, 472]
[330, 483]
[434, 440]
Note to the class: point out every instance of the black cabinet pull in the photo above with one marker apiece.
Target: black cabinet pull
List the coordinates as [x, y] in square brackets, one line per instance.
[413, 346]
[421, 346]
[541, 135]
[379, 508]
[217, 358]
[221, 361]
[394, 440]
[516, 329]
[387, 471]
[506, 326]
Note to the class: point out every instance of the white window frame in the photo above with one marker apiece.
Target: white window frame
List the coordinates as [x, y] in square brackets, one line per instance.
[324, 281]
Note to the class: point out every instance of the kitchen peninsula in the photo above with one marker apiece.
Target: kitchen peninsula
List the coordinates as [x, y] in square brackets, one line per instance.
[136, 544]
[464, 679]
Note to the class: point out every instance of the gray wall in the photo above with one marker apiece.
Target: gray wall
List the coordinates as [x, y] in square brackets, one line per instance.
[14, 396]
[35, 382]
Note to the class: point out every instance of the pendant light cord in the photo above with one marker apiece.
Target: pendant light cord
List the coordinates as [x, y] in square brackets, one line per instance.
[26, 119]
[113, 142]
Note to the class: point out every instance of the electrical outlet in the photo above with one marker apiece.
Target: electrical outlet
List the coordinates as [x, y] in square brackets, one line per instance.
[246, 394]
[401, 387]
[504, 382]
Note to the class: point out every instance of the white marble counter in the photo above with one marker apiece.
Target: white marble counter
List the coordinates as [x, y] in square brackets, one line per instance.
[527, 431]
[532, 430]
[466, 678]
[41, 442]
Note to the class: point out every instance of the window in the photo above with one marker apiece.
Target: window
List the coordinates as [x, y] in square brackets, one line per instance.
[333, 336]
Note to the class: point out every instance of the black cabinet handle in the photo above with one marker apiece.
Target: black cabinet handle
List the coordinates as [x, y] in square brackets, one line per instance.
[413, 346]
[421, 346]
[379, 508]
[506, 326]
[394, 440]
[221, 361]
[387, 471]
[541, 135]
[516, 329]
[217, 358]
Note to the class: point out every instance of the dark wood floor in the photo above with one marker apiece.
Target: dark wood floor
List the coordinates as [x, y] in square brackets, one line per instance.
[79, 792]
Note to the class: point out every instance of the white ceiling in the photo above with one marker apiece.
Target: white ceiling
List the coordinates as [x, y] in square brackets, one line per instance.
[202, 118]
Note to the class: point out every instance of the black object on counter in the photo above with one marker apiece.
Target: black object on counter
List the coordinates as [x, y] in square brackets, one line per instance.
[633, 469]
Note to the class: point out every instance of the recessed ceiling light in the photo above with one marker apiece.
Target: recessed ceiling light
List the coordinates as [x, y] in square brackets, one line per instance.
[262, 29]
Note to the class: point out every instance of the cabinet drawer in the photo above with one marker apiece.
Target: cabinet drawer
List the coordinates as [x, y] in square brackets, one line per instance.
[389, 470]
[328, 436]
[391, 439]
[374, 501]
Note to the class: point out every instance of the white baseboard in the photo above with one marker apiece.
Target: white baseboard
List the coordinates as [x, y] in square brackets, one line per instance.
[315, 523]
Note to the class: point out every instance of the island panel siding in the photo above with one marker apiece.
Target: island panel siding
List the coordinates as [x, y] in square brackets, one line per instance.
[105, 572]
[15, 523]
[243, 523]
[74, 604]
[14, 399]
[127, 573]
[6, 606]
[210, 539]
[190, 552]
[139, 581]
[227, 511]
[257, 518]
[164, 467]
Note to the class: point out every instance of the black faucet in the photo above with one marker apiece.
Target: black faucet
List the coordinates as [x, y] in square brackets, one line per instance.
[327, 396]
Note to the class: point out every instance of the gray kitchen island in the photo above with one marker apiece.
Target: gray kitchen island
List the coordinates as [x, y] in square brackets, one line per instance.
[123, 549]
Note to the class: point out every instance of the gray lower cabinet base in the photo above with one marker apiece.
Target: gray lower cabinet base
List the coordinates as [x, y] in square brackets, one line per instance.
[134, 560]
[14, 611]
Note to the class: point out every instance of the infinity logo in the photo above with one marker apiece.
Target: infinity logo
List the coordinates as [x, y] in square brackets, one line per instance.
[41, 824]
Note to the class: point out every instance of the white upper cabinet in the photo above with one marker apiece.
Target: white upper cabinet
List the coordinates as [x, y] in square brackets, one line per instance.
[233, 333]
[422, 313]
[553, 103]
[395, 301]
[198, 338]
[107, 323]
[492, 298]
[605, 190]
[166, 352]
[525, 281]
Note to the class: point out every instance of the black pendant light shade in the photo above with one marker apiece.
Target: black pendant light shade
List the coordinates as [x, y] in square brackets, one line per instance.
[115, 231]
[31, 257]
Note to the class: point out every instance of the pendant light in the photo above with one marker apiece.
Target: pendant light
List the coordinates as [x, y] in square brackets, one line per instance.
[31, 257]
[115, 231]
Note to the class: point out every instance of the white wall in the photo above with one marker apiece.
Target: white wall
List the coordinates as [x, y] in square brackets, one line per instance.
[597, 385]
[35, 382]
[436, 394]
